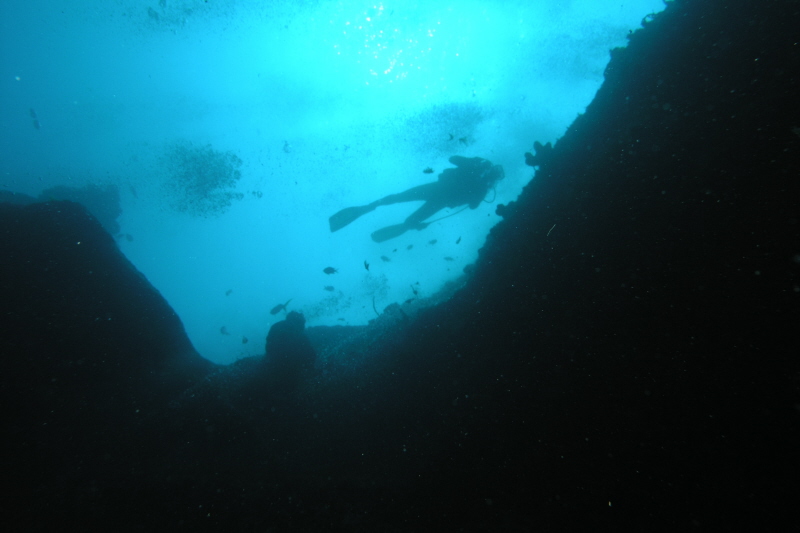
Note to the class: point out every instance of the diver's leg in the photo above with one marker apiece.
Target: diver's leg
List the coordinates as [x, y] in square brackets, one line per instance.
[414, 221]
[414, 194]
[420, 193]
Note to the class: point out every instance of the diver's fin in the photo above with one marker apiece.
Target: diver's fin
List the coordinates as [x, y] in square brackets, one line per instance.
[348, 215]
[389, 232]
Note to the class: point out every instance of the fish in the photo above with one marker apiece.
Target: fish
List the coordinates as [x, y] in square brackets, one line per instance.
[244, 340]
[224, 330]
[366, 265]
[228, 292]
[415, 291]
[458, 240]
[410, 246]
[331, 270]
[428, 170]
[448, 258]
[280, 307]
[385, 259]
[462, 140]
[434, 241]
[329, 288]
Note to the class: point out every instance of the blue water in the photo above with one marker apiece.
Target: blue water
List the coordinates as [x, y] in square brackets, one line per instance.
[327, 104]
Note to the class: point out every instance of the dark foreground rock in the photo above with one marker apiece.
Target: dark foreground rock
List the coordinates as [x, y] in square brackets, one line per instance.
[623, 355]
[102, 201]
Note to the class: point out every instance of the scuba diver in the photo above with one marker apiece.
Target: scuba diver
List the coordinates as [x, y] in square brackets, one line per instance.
[467, 184]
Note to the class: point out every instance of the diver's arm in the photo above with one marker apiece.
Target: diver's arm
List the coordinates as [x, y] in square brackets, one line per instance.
[477, 199]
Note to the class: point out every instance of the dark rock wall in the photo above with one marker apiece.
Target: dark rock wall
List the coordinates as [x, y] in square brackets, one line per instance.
[644, 342]
[623, 356]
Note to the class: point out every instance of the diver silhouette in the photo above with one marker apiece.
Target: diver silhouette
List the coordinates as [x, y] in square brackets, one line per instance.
[467, 184]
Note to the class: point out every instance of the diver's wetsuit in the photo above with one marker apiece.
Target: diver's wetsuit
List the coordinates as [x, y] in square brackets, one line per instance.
[467, 184]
